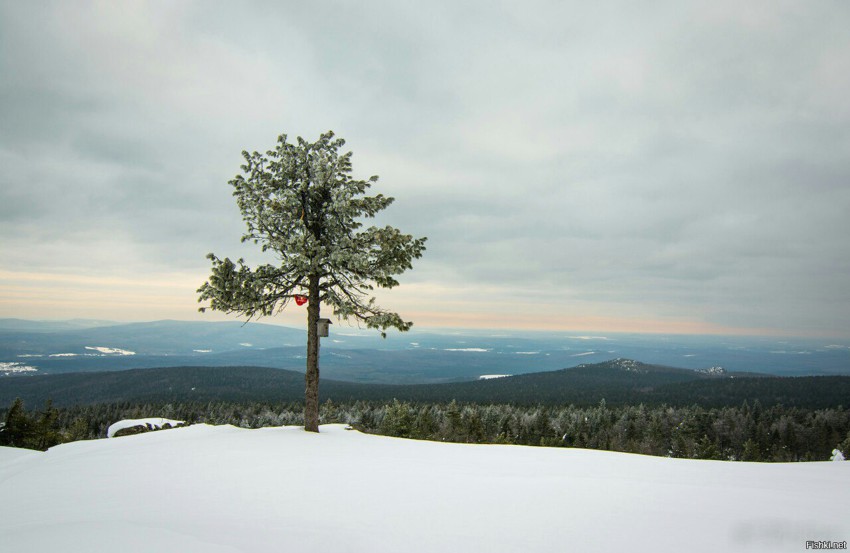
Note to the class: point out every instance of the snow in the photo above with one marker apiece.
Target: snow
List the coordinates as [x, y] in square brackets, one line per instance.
[8, 368]
[474, 350]
[224, 489]
[110, 351]
[715, 371]
[155, 422]
[492, 376]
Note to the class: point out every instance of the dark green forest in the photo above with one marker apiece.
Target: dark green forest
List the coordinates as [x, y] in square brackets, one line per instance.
[618, 382]
[748, 432]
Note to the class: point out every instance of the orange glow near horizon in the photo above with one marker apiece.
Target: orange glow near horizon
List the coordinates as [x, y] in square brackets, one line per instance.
[30, 295]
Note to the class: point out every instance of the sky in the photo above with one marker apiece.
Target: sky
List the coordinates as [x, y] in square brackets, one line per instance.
[676, 167]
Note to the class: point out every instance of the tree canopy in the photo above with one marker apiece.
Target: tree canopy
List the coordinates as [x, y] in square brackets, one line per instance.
[301, 202]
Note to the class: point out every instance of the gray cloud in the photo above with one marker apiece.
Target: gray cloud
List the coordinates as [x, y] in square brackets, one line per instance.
[667, 160]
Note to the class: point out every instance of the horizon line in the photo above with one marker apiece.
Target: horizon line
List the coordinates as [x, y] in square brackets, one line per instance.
[585, 333]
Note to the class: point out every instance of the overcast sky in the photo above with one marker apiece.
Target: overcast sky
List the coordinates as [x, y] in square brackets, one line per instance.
[651, 166]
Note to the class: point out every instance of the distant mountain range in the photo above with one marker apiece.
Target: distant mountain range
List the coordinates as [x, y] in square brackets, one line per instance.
[150, 338]
[619, 381]
[416, 357]
[24, 325]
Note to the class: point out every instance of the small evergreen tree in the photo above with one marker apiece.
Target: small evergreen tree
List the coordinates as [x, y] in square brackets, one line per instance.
[425, 425]
[453, 427]
[751, 452]
[328, 413]
[705, 449]
[474, 427]
[45, 434]
[397, 420]
[18, 428]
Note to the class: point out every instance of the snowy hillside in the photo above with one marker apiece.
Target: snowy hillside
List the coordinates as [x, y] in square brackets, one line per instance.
[223, 489]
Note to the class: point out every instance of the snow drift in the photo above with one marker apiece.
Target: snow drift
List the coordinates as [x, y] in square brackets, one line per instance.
[225, 489]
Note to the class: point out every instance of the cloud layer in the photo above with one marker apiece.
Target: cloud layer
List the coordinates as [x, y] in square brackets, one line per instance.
[662, 167]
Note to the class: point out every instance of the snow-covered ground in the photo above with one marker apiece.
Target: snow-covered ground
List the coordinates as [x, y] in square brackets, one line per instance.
[224, 489]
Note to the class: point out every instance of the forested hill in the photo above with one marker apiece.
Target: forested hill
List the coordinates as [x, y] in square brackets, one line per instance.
[619, 382]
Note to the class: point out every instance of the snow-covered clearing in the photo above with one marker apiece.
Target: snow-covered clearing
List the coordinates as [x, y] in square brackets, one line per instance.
[16, 368]
[224, 489]
[110, 351]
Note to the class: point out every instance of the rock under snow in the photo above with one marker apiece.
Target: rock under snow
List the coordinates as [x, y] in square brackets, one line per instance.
[153, 423]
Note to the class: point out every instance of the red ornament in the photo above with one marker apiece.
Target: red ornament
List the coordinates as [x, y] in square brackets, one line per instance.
[300, 300]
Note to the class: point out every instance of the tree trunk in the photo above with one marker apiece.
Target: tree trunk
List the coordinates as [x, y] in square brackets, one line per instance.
[311, 378]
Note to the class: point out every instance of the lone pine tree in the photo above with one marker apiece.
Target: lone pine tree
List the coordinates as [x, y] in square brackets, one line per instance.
[301, 202]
